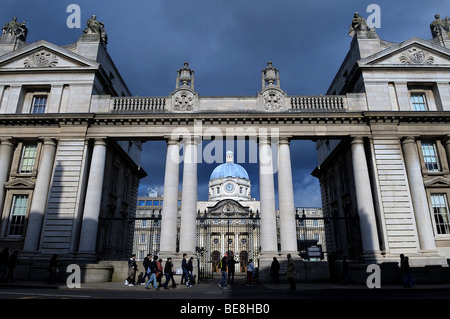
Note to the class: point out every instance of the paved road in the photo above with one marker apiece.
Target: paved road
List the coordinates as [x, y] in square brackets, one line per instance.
[243, 300]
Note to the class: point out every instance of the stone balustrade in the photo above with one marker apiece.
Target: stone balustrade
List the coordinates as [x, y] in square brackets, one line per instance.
[318, 103]
[138, 104]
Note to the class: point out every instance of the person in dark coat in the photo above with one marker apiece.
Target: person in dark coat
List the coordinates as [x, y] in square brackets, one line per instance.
[53, 269]
[168, 272]
[275, 271]
[231, 265]
[4, 256]
[12, 262]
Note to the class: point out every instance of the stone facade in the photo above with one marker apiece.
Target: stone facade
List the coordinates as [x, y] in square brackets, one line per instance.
[383, 124]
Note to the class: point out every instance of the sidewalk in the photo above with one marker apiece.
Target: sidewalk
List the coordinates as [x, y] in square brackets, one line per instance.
[301, 286]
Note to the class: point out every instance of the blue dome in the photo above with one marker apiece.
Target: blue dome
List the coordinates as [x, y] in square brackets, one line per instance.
[229, 170]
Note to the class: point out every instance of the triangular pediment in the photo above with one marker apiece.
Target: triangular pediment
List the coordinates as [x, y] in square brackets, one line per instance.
[228, 208]
[414, 52]
[44, 55]
[19, 183]
[438, 181]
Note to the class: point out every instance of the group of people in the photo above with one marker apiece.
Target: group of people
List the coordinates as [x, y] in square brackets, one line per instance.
[227, 268]
[154, 271]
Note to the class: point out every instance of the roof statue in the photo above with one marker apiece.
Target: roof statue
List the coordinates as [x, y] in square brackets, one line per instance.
[15, 29]
[96, 27]
[358, 24]
[440, 27]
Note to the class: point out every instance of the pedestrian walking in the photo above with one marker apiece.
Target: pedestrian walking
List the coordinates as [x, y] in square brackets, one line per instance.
[132, 269]
[53, 269]
[231, 265]
[152, 269]
[274, 271]
[406, 271]
[12, 262]
[290, 272]
[146, 263]
[190, 270]
[185, 275]
[168, 272]
[250, 270]
[159, 272]
[4, 256]
[223, 269]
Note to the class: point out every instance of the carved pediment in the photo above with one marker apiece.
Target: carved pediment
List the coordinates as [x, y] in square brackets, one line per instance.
[228, 208]
[413, 52]
[438, 181]
[43, 55]
[20, 183]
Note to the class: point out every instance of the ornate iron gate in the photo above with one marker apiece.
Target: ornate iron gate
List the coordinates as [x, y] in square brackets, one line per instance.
[239, 237]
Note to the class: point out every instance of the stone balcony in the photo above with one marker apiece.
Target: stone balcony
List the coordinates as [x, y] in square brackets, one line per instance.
[240, 104]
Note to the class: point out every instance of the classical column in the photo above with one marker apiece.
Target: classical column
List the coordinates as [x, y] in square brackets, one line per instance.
[93, 200]
[40, 196]
[6, 151]
[288, 231]
[188, 229]
[267, 198]
[168, 243]
[366, 210]
[446, 143]
[418, 195]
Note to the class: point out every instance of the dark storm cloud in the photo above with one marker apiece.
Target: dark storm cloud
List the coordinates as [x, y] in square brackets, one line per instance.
[227, 43]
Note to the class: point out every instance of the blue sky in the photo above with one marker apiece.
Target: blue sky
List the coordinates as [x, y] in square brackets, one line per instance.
[227, 43]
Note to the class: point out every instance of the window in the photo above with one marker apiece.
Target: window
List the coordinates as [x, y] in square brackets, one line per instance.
[156, 203]
[430, 156]
[419, 102]
[143, 238]
[141, 203]
[149, 203]
[17, 217]
[27, 158]
[440, 212]
[39, 103]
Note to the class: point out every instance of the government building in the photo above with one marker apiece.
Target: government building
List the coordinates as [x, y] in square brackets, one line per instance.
[71, 136]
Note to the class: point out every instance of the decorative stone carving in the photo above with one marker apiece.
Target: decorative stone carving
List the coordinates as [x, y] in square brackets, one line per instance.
[96, 27]
[358, 24]
[440, 27]
[184, 97]
[15, 29]
[41, 59]
[272, 100]
[416, 56]
[272, 97]
[183, 100]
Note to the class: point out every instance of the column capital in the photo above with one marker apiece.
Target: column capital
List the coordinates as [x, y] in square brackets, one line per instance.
[100, 141]
[408, 140]
[284, 140]
[49, 141]
[357, 140]
[8, 141]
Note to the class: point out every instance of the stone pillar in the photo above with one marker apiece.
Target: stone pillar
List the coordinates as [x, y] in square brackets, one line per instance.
[366, 210]
[6, 152]
[418, 195]
[93, 200]
[267, 198]
[168, 243]
[288, 230]
[188, 229]
[40, 196]
[446, 143]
